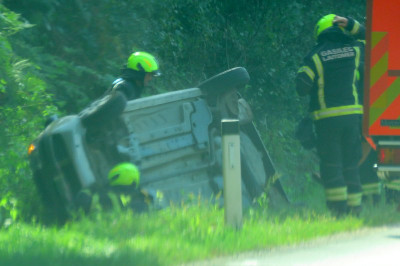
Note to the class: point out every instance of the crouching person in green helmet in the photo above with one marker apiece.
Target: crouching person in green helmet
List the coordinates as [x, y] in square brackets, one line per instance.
[136, 74]
[122, 191]
[124, 180]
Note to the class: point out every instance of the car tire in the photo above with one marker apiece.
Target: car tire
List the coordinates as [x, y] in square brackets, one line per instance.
[230, 79]
[103, 110]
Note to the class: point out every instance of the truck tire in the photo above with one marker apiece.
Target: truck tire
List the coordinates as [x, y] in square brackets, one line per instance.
[103, 110]
[230, 79]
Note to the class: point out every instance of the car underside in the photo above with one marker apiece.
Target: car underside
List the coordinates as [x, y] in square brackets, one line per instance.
[173, 138]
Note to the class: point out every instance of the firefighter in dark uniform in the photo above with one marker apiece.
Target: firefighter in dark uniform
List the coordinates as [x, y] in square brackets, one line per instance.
[139, 70]
[122, 191]
[330, 76]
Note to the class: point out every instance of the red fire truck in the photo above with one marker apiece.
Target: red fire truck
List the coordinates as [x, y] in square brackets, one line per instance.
[382, 84]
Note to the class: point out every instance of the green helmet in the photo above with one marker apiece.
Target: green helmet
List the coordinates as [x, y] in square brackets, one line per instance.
[124, 174]
[143, 62]
[323, 24]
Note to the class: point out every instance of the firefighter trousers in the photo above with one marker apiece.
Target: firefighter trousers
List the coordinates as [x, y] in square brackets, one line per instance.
[339, 150]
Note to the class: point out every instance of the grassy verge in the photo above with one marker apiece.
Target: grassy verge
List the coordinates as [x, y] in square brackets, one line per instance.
[172, 236]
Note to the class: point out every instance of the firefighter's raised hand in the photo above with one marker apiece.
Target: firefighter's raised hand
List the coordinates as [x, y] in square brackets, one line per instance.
[340, 21]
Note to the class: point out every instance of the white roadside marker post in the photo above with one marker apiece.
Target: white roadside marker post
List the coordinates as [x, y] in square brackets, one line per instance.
[231, 172]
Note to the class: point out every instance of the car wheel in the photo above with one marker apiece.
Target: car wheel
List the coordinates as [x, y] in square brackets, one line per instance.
[103, 110]
[230, 79]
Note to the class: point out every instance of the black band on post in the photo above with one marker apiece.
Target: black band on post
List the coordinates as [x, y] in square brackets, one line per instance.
[230, 126]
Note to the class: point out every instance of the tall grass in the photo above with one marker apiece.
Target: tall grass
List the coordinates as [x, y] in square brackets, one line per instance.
[171, 236]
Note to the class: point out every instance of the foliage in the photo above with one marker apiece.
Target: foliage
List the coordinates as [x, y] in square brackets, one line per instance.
[24, 103]
[168, 237]
[178, 234]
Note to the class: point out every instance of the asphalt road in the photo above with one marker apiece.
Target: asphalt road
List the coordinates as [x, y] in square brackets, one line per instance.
[377, 246]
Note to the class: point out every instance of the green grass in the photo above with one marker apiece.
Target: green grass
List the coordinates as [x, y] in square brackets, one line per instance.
[172, 236]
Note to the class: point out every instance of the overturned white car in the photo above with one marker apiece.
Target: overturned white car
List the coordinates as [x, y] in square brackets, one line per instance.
[174, 138]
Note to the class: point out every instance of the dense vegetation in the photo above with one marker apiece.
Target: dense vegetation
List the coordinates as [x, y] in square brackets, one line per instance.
[58, 55]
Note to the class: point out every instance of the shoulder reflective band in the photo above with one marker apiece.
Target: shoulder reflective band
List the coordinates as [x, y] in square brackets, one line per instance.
[320, 70]
[117, 83]
[336, 194]
[308, 71]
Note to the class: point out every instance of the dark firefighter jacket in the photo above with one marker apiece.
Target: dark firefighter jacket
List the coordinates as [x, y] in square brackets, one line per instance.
[331, 72]
[127, 84]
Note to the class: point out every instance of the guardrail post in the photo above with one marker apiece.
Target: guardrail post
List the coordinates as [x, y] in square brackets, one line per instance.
[232, 172]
